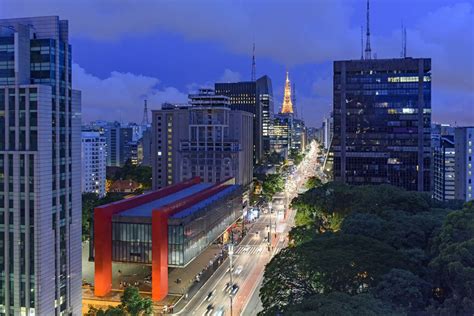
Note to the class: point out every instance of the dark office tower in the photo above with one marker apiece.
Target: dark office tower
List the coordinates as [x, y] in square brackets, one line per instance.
[265, 94]
[40, 166]
[255, 97]
[382, 119]
[126, 144]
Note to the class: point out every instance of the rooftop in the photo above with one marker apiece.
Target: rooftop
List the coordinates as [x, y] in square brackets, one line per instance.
[206, 202]
[145, 210]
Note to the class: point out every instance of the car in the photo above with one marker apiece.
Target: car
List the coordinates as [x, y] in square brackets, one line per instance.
[238, 270]
[234, 290]
[209, 310]
[227, 286]
[210, 295]
[259, 249]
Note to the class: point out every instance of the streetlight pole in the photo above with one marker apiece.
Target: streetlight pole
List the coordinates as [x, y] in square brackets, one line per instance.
[231, 252]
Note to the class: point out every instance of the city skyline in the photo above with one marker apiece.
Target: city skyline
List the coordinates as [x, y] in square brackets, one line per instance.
[305, 46]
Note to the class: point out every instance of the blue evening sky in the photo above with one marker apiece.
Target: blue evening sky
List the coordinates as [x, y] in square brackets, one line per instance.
[126, 51]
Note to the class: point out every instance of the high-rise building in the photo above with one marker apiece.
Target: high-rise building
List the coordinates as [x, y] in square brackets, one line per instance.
[40, 150]
[382, 120]
[112, 138]
[288, 132]
[281, 135]
[255, 97]
[328, 125]
[93, 163]
[144, 148]
[126, 144]
[464, 171]
[265, 95]
[444, 169]
[206, 139]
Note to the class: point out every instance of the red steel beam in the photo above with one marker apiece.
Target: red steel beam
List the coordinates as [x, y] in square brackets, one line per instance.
[160, 216]
[103, 231]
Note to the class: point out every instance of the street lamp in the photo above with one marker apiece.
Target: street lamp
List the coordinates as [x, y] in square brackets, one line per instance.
[231, 252]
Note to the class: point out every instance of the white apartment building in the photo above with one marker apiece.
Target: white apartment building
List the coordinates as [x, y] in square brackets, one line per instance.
[93, 154]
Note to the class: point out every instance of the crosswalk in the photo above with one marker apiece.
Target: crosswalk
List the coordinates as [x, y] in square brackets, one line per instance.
[248, 250]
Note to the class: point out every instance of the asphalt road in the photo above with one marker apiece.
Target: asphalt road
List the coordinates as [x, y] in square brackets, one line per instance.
[251, 256]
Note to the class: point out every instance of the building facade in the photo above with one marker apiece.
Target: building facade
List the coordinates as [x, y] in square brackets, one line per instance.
[382, 119]
[40, 126]
[206, 139]
[163, 228]
[255, 97]
[464, 174]
[444, 169]
[93, 154]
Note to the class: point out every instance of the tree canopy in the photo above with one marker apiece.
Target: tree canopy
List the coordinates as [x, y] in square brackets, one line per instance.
[132, 303]
[378, 247]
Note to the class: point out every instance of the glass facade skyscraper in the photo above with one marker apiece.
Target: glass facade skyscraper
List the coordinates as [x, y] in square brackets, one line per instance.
[382, 120]
[255, 97]
[40, 187]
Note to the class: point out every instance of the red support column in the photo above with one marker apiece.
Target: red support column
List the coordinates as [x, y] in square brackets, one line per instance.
[159, 236]
[103, 253]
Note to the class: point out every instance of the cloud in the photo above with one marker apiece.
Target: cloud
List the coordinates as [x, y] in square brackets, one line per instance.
[230, 76]
[120, 96]
[288, 32]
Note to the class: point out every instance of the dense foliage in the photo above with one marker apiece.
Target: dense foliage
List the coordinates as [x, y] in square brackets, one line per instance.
[140, 174]
[272, 184]
[296, 156]
[89, 202]
[373, 250]
[132, 303]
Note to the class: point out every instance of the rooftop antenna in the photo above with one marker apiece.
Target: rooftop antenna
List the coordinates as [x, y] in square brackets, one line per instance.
[254, 75]
[404, 42]
[145, 114]
[361, 42]
[368, 50]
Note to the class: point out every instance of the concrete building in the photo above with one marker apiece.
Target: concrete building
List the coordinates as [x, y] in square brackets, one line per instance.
[382, 120]
[255, 97]
[444, 169]
[206, 139]
[464, 171]
[328, 128]
[169, 227]
[93, 156]
[144, 148]
[40, 150]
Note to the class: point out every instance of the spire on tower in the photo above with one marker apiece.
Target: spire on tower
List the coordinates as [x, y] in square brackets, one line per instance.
[287, 106]
[361, 42]
[254, 75]
[145, 115]
[368, 50]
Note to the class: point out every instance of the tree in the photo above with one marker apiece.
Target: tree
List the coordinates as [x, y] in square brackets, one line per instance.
[330, 262]
[134, 303]
[341, 304]
[313, 182]
[404, 290]
[453, 265]
[272, 184]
